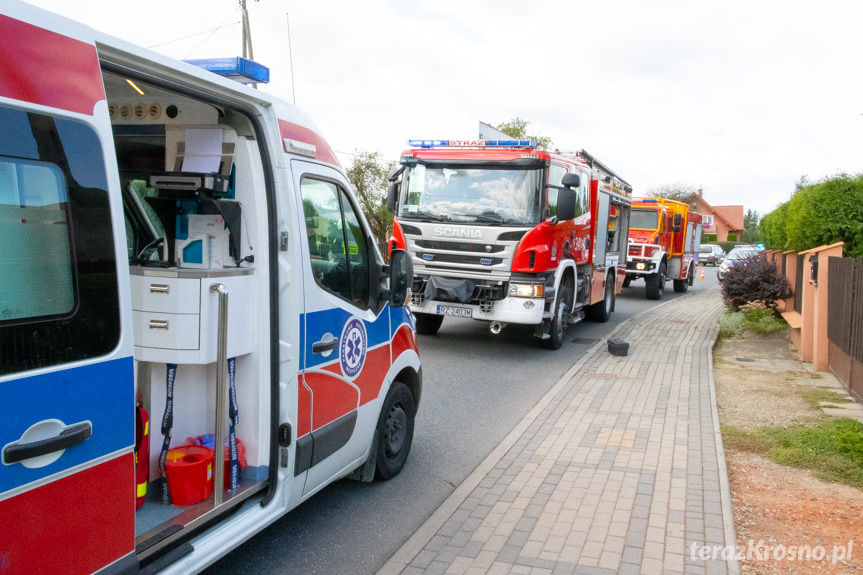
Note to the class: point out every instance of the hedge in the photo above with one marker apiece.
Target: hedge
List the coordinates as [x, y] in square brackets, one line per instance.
[820, 214]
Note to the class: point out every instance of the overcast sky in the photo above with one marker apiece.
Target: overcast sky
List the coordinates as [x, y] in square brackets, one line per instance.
[739, 97]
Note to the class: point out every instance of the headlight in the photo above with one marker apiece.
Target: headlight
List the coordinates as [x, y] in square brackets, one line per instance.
[526, 290]
[639, 266]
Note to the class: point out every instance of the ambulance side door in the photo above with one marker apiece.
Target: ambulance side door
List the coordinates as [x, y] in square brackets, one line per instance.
[346, 349]
[67, 487]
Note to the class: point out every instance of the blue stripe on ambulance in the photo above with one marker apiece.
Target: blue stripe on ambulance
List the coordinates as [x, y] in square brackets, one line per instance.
[108, 404]
[378, 332]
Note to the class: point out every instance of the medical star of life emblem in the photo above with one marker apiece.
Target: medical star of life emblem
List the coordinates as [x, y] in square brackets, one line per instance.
[352, 347]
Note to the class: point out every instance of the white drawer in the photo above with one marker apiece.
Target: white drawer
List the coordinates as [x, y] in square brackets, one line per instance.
[166, 331]
[166, 295]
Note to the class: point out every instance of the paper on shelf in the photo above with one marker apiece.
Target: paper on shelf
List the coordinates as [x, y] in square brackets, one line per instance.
[203, 152]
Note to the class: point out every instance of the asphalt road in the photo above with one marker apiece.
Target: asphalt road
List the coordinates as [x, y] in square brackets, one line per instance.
[477, 387]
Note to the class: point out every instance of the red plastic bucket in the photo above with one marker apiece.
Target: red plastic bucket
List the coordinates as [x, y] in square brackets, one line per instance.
[190, 474]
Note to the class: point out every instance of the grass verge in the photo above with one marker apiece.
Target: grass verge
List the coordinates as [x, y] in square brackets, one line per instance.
[832, 450]
[761, 321]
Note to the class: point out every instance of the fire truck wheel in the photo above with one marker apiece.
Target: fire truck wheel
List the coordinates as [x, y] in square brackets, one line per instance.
[626, 281]
[395, 431]
[428, 324]
[557, 330]
[601, 311]
[680, 286]
[655, 283]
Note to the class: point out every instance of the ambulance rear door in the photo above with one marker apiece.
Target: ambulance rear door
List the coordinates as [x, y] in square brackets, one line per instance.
[67, 487]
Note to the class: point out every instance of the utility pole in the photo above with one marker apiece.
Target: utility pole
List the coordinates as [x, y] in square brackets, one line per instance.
[247, 33]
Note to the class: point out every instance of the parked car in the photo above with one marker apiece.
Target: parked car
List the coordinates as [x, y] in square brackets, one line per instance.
[735, 256]
[710, 254]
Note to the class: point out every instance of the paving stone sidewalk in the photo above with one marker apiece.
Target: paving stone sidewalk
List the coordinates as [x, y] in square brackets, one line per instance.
[618, 469]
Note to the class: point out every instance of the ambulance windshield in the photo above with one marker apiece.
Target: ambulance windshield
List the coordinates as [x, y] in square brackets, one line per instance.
[644, 219]
[477, 195]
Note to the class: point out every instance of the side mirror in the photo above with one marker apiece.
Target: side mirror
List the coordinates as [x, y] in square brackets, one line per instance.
[401, 278]
[675, 229]
[566, 202]
[571, 180]
[678, 219]
[392, 192]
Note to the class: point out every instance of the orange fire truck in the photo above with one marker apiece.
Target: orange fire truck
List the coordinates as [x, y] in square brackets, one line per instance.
[502, 232]
[664, 236]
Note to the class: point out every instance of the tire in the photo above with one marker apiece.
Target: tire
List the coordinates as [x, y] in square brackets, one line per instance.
[601, 311]
[395, 431]
[428, 324]
[626, 281]
[655, 283]
[560, 321]
[680, 286]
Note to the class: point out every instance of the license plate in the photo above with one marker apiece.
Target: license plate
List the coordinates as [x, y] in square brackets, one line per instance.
[454, 311]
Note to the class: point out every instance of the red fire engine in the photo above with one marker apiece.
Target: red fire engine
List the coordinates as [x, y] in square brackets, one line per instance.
[502, 232]
[663, 244]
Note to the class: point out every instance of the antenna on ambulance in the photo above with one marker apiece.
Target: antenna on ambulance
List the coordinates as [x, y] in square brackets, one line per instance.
[247, 35]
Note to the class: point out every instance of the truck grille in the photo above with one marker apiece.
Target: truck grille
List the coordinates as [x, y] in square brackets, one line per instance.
[459, 247]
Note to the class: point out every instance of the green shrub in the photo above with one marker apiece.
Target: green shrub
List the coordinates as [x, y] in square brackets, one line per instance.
[731, 324]
[732, 237]
[710, 239]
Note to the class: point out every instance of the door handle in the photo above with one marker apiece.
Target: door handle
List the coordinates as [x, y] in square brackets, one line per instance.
[326, 345]
[69, 437]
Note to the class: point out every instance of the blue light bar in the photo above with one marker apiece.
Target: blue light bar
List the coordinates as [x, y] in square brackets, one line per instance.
[239, 69]
[472, 143]
[648, 200]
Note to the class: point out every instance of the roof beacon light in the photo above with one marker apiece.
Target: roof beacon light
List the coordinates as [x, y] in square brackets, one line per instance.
[242, 70]
[472, 143]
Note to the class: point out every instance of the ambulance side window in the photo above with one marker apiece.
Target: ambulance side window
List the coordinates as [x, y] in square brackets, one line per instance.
[58, 278]
[337, 245]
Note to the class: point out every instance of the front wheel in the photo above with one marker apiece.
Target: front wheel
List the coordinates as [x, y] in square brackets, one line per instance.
[655, 283]
[560, 321]
[395, 431]
[428, 324]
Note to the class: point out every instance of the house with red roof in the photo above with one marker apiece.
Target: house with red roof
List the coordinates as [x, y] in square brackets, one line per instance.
[719, 220]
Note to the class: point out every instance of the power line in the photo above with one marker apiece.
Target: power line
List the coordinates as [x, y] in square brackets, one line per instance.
[211, 34]
[212, 30]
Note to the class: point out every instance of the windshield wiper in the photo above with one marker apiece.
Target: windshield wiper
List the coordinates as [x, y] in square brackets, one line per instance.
[425, 216]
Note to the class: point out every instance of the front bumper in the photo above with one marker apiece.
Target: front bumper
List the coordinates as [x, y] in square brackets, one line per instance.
[641, 267]
[516, 310]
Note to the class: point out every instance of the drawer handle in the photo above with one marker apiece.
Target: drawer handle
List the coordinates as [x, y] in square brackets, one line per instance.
[158, 324]
[159, 288]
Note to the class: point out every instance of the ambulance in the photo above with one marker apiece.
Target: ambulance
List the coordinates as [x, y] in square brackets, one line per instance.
[197, 330]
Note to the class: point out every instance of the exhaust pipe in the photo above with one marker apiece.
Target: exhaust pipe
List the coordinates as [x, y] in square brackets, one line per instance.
[496, 326]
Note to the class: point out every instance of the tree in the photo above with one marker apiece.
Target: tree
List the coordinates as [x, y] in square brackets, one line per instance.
[750, 228]
[368, 174]
[517, 128]
[679, 192]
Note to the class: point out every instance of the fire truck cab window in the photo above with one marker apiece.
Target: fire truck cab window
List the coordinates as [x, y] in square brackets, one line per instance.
[480, 195]
[643, 219]
[555, 182]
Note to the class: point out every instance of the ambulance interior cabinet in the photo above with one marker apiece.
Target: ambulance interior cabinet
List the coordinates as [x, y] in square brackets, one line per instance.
[176, 315]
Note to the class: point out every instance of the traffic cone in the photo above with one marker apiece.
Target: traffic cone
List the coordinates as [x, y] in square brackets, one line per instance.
[702, 274]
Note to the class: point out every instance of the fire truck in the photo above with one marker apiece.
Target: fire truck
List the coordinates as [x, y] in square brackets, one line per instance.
[197, 329]
[664, 236]
[502, 232]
